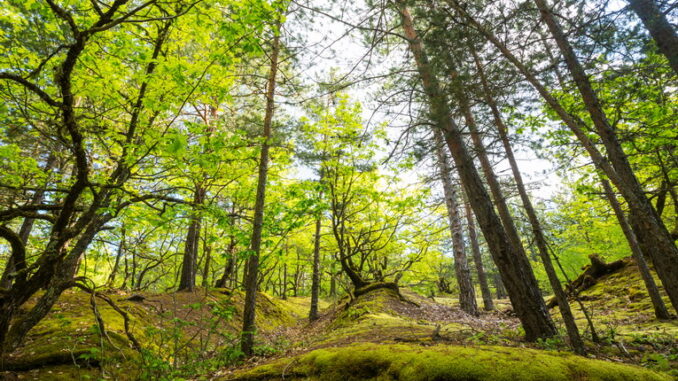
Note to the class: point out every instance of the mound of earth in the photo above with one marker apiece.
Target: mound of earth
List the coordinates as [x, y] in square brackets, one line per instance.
[618, 302]
[68, 344]
[369, 361]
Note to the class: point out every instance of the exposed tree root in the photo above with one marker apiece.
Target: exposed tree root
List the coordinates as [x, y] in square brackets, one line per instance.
[135, 343]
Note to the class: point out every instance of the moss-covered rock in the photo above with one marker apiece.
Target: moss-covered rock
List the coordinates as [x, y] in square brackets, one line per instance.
[369, 361]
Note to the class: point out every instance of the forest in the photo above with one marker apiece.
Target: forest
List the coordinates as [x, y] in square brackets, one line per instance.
[339, 190]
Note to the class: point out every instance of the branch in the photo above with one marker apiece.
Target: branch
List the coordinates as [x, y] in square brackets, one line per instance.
[22, 211]
[18, 249]
[64, 15]
[32, 87]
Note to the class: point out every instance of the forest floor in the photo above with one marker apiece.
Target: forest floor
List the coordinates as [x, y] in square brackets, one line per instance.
[379, 335]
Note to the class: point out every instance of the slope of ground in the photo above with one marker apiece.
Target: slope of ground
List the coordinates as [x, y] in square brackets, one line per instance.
[385, 336]
[623, 317]
[174, 330]
[380, 335]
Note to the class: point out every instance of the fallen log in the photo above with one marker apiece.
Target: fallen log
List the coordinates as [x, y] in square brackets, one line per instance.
[590, 276]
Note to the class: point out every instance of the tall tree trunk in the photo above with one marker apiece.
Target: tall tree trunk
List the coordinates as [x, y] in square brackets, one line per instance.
[207, 249]
[284, 281]
[119, 254]
[660, 310]
[189, 265]
[467, 295]
[572, 331]
[650, 226]
[333, 281]
[485, 164]
[315, 282]
[659, 27]
[247, 339]
[512, 264]
[499, 287]
[229, 268]
[488, 304]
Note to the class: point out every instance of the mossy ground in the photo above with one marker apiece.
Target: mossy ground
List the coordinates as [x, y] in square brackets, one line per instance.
[380, 335]
[369, 361]
[384, 337]
[67, 344]
[624, 319]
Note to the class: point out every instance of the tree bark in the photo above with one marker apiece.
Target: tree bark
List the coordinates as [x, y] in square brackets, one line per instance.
[247, 339]
[488, 304]
[513, 265]
[315, 283]
[18, 264]
[189, 265]
[467, 296]
[659, 27]
[207, 249]
[499, 287]
[229, 267]
[486, 165]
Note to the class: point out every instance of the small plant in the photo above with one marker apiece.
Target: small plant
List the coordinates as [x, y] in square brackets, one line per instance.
[551, 343]
[184, 346]
[264, 350]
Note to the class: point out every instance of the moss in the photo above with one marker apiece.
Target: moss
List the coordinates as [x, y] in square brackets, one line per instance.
[439, 362]
[299, 307]
[619, 302]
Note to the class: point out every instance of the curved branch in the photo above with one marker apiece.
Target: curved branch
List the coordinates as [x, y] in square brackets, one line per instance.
[32, 87]
[18, 249]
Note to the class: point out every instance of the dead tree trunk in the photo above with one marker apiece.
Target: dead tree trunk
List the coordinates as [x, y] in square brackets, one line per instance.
[513, 265]
[467, 297]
